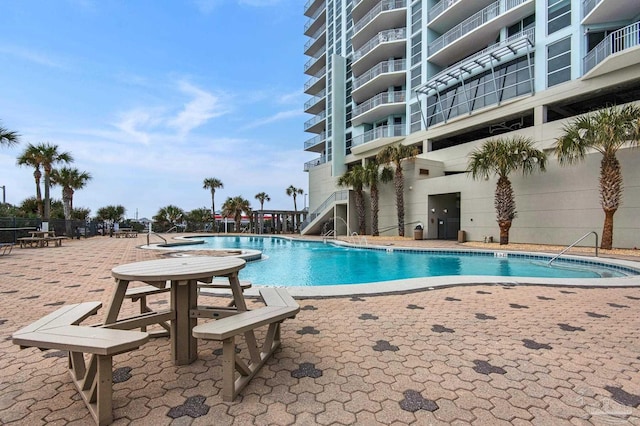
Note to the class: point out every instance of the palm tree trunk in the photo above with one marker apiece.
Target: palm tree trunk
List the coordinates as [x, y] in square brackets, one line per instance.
[361, 212]
[504, 231]
[37, 175]
[400, 200]
[374, 211]
[47, 199]
[607, 230]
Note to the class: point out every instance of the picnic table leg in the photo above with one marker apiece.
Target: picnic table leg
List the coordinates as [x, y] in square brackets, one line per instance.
[236, 288]
[116, 301]
[184, 298]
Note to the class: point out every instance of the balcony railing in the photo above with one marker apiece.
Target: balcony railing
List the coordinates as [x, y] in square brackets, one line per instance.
[378, 133]
[336, 196]
[315, 140]
[313, 80]
[440, 7]
[476, 20]
[314, 38]
[315, 120]
[617, 41]
[315, 99]
[313, 17]
[383, 6]
[380, 99]
[313, 60]
[381, 37]
[314, 163]
[381, 68]
[588, 6]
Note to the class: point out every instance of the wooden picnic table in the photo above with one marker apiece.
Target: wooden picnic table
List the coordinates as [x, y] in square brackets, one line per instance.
[40, 239]
[184, 275]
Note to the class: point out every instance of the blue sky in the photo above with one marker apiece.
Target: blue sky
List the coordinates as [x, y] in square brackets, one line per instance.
[152, 97]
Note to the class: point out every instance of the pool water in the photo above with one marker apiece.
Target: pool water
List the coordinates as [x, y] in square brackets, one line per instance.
[309, 263]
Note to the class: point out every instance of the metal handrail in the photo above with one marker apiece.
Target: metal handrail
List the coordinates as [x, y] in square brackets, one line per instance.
[155, 233]
[577, 241]
[329, 233]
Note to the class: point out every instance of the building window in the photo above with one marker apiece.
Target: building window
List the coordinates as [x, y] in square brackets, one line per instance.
[416, 49]
[416, 79]
[416, 115]
[559, 62]
[416, 17]
[558, 15]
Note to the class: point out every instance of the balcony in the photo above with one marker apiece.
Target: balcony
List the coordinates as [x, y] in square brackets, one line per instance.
[380, 77]
[602, 11]
[447, 13]
[315, 163]
[312, 6]
[314, 65]
[384, 45]
[395, 132]
[479, 29]
[315, 22]
[316, 42]
[386, 14]
[316, 83]
[316, 143]
[361, 8]
[316, 103]
[380, 106]
[618, 50]
[316, 124]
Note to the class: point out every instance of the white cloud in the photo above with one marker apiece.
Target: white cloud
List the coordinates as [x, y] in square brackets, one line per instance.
[203, 107]
[138, 123]
[32, 56]
[292, 97]
[282, 115]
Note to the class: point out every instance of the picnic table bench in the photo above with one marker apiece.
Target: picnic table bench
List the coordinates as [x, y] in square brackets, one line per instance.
[60, 330]
[279, 306]
[126, 233]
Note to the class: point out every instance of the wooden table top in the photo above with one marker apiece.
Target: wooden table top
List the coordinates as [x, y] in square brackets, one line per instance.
[178, 268]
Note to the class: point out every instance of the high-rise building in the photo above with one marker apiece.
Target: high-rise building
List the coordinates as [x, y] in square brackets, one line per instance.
[446, 76]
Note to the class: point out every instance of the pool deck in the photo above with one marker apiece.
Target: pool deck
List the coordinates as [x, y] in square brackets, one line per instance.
[486, 353]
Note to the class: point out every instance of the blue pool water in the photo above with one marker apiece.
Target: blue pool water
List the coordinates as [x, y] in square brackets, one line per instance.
[310, 263]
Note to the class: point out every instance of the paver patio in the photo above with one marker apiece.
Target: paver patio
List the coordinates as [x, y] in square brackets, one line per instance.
[490, 354]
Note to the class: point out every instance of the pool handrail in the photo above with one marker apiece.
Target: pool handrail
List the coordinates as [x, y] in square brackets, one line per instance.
[576, 242]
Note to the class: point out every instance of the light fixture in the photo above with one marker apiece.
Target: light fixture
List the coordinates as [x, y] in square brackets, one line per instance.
[433, 210]
[445, 211]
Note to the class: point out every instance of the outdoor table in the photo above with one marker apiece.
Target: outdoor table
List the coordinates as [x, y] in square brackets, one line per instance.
[184, 274]
[42, 234]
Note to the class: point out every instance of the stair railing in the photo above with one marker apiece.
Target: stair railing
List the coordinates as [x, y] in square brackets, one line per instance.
[576, 242]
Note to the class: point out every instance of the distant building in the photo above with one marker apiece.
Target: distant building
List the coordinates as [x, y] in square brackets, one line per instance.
[446, 76]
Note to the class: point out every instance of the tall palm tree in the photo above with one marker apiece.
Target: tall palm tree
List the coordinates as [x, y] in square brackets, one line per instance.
[50, 157]
[292, 191]
[70, 179]
[501, 157]
[170, 215]
[394, 154]
[372, 175]
[111, 215]
[262, 197]
[234, 207]
[212, 184]
[8, 138]
[605, 131]
[355, 178]
[31, 156]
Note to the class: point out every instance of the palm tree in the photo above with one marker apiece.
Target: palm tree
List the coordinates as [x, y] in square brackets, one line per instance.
[70, 179]
[262, 197]
[234, 207]
[373, 175]
[605, 131]
[32, 157]
[355, 178]
[8, 138]
[212, 184]
[111, 214]
[49, 156]
[292, 191]
[395, 154]
[500, 157]
[170, 215]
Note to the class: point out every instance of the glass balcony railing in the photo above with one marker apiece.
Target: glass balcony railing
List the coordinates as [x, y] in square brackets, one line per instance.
[618, 41]
[315, 120]
[314, 38]
[588, 6]
[383, 6]
[313, 80]
[378, 133]
[380, 99]
[476, 20]
[381, 68]
[314, 163]
[311, 62]
[315, 140]
[313, 18]
[381, 37]
[315, 99]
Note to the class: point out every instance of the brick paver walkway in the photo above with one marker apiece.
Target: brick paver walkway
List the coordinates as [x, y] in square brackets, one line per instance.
[462, 355]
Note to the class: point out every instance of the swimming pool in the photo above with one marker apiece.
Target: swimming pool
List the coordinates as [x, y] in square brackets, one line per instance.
[289, 262]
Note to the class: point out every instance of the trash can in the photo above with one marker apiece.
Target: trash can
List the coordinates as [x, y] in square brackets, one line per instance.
[461, 236]
[418, 232]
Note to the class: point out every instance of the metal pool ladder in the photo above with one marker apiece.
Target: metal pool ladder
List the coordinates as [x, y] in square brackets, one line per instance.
[576, 242]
